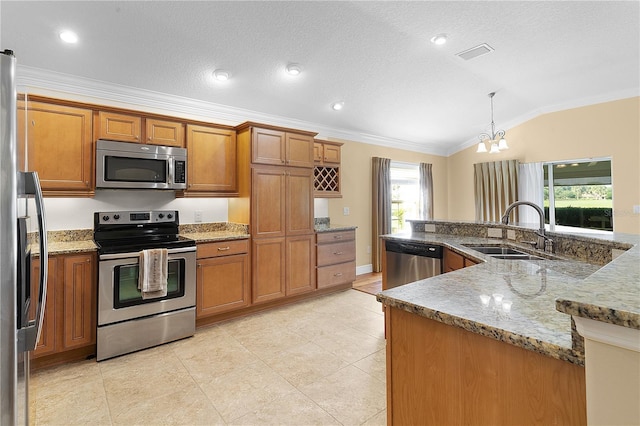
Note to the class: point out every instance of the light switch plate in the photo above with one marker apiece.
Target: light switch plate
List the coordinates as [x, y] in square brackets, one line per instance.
[197, 216]
[636, 209]
[345, 211]
[494, 232]
[429, 227]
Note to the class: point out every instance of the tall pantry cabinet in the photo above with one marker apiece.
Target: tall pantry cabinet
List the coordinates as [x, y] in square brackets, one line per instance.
[275, 182]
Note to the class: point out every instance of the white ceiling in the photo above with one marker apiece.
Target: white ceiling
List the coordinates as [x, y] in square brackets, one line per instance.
[398, 88]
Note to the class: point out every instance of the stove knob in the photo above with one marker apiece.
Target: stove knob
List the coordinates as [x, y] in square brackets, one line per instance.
[160, 215]
[169, 216]
[116, 216]
[105, 218]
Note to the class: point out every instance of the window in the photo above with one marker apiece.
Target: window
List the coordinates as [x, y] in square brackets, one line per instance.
[579, 194]
[405, 193]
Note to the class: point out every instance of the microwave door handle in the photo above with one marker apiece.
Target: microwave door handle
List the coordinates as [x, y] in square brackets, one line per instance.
[171, 171]
[28, 336]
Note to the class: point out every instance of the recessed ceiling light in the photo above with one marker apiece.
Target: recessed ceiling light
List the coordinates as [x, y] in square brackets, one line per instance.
[221, 75]
[294, 69]
[68, 36]
[337, 106]
[439, 39]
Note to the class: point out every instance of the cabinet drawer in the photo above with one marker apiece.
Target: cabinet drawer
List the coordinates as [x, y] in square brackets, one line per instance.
[331, 237]
[223, 248]
[329, 254]
[341, 273]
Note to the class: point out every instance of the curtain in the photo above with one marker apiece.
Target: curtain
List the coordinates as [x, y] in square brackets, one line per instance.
[426, 191]
[496, 186]
[530, 188]
[381, 206]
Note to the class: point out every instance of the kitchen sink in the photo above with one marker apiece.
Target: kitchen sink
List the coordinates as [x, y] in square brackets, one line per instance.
[505, 253]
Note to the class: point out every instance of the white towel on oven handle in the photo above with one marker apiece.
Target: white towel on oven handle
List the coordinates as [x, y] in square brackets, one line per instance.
[153, 271]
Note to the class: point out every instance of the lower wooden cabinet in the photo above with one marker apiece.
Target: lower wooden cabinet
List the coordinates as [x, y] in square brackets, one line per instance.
[223, 278]
[336, 253]
[70, 312]
[282, 266]
[454, 261]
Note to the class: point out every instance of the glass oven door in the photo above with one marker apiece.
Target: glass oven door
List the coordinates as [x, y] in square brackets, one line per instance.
[119, 298]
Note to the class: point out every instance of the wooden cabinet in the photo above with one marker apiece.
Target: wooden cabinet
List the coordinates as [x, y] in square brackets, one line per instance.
[327, 159]
[281, 201]
[119, 127]
[59, 147]
[70, 313]
[223, 277]
[277, 147]
[336, 258]
[453, 261]
[212, 161]
[129, 128]
[163, 132]
[325, 152]
[301, 264]
[473, 379]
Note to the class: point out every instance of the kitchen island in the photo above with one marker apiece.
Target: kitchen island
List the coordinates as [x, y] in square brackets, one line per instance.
[486, 344]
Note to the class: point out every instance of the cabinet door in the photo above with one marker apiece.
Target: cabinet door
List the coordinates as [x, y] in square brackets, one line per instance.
[268, 203]
[331, 153]
[223, 284]
[268, 269]
[299, 150]
[212, 159]
[47, 343]
[452, 261]
[317, 152]
[79, 301]
[301, 264]
[59, 140]
[267, 147]
[299, 197]
[161, 132]
[119, 127]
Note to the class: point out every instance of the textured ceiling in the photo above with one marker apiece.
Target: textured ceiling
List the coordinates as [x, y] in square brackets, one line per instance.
[398, 88]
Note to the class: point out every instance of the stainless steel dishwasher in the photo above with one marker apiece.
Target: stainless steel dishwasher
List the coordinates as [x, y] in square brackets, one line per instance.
[409, 261]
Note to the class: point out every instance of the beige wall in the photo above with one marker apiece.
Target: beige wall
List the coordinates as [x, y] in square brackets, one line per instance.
[610, 129]
[356, 189]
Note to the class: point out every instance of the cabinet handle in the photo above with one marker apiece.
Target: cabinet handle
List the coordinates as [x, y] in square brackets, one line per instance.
[338, 274]
[337, 237]
[337, 253]
[224, 248]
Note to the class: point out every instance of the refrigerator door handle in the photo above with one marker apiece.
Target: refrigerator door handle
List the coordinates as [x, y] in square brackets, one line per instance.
[28, 336]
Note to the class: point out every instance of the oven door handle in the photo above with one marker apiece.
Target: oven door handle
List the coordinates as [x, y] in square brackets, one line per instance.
[136, 253]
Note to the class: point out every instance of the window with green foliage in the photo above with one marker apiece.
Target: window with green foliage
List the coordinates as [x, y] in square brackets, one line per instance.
[405, 193]
[579, 194]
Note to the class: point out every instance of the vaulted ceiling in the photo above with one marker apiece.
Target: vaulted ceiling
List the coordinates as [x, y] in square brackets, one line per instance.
[398, 88]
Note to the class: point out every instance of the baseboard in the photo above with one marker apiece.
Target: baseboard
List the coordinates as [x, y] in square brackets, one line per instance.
[364, 269]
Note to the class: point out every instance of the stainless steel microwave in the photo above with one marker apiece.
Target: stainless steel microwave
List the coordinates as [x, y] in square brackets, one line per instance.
[123, 165]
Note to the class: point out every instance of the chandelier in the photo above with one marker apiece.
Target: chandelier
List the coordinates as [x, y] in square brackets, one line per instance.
[496, 140]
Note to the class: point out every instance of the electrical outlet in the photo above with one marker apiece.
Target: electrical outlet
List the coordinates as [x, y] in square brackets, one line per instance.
[345, 211]
[197, 216]
[494, 232]
[511, 234]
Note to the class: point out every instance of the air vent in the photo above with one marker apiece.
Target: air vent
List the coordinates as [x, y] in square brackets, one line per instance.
[474, 52]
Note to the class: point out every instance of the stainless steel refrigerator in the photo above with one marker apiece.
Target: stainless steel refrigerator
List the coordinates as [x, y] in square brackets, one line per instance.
[21, 304]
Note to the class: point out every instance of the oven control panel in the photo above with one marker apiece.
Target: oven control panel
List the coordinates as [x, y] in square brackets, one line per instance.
[136, 217]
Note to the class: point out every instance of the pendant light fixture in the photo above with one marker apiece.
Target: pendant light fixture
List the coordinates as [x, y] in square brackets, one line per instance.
[496, 140]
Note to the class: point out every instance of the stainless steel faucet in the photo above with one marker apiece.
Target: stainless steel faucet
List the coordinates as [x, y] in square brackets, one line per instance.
[544, 243]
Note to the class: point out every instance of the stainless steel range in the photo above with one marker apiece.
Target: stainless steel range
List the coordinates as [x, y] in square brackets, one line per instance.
[128, 322]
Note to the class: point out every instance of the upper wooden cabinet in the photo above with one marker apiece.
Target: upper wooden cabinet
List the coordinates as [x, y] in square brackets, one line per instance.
[211, 153]
[59, 147]
[119, 127]
[162, 132]
[129, 128]
[325, 152]
[281, 148]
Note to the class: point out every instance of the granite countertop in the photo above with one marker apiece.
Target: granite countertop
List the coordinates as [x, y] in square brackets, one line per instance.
[333, 228]
[535, 288]
[211, 236]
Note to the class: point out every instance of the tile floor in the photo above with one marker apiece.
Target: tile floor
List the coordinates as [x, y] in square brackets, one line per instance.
[317, 362]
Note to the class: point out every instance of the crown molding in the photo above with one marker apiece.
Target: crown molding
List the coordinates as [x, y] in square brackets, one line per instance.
[65, 86]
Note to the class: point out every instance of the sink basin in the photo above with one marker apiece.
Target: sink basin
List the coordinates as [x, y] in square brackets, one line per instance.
[505, 253]
[496, 250]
